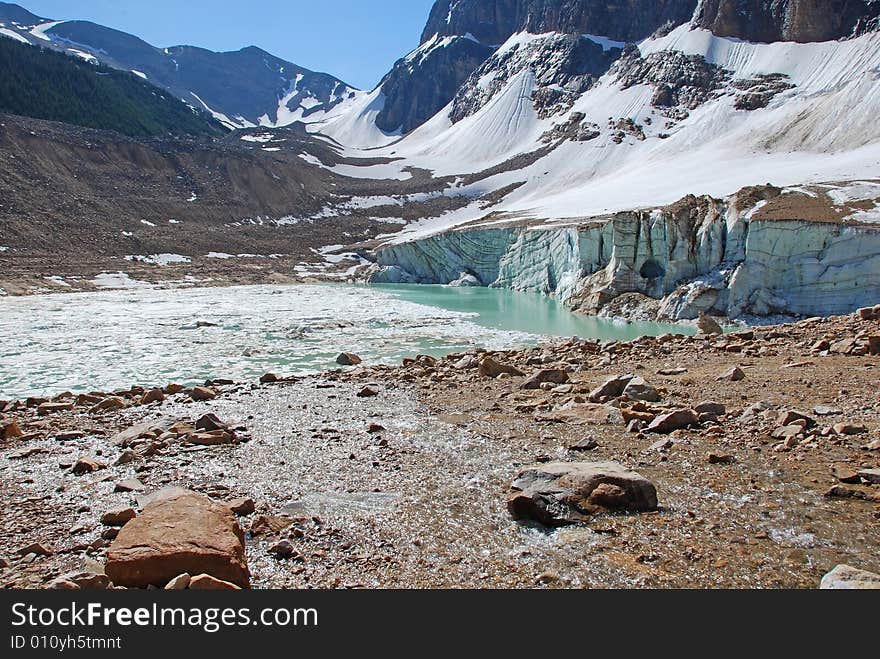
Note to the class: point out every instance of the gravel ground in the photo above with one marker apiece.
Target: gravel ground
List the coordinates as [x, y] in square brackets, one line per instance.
[407, 489]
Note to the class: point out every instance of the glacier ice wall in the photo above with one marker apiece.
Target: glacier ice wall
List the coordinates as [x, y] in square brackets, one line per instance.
[699, 254]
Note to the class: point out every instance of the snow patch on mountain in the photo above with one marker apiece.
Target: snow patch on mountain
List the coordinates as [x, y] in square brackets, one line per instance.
[355, 125]
[39, 31]
[239, 122]
[12, 34]
[88, 57]
[820, 125]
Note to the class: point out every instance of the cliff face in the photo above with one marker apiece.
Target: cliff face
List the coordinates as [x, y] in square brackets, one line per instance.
[494, 21]
[699, 255]
[462, 35]
[420, 85]
[788, 20]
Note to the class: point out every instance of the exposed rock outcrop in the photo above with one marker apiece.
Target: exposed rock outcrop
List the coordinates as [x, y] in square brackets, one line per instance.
[493, 21]
[564, 66]
[421, 84]
[462, 35]
[788, 20]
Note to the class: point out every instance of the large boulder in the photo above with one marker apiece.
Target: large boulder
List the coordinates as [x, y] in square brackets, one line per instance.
[844, 577]
[611, 388]
[560, 493]
[180, 532]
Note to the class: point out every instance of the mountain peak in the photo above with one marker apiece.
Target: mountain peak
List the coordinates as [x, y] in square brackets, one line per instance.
[494, 21]
[792, 20]
[12, 13]
[241, 88]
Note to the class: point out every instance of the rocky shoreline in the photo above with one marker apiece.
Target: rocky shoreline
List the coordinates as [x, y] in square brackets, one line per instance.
[30, 275]
[745, 460]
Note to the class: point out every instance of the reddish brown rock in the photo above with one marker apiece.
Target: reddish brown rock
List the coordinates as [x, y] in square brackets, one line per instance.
[210, 422]
[869, 313]
[846, 474]
[490, 368]
[270, 524]
[88, 399]
[202, 393]
[348, 359]
[850, 429]
[10, 430]
[843, 347]
[551, 375]
[720, 458]
[86, 465]
[282, 549]
[69, 435]
[242, 507]
[129, 485]
[212, 438]
[667, 423]
[153, 396]
[734, 374]
[792, 417]
[560, 493]
[207, 582]
[611, 388]
[108, 405]
[180, 582]
[45, 409]
[118, 517]
[710, 408]
[82, 580]
[368, 392]
[38, 548]
[708, 325]
[184, 532]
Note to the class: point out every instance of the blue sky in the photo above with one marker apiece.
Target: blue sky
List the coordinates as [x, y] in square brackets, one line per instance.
[355, 40]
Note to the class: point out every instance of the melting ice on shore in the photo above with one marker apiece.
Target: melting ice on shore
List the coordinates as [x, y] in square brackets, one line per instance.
[152, 336]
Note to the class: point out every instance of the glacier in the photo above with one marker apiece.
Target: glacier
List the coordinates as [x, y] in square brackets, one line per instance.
[700, 255]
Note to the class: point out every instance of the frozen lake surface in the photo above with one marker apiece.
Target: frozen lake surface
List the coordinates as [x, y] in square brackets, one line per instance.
[152, 336]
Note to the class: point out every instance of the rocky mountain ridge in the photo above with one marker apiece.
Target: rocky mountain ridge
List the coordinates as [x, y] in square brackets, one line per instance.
[243, 88]
[788, 20]
[471, 30]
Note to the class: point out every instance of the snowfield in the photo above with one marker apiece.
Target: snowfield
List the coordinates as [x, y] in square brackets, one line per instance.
[823, 129]
[12, 34]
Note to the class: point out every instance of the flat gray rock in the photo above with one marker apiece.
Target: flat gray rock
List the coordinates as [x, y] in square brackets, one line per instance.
[560, 493]
[844, 577]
